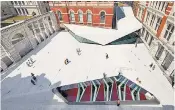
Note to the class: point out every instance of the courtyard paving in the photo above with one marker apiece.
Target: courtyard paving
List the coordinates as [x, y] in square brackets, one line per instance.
[51, 71]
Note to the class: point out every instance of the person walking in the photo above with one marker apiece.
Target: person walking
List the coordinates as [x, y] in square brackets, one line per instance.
[104, 75]
[31, 60]
[33, 80]
[118, 102]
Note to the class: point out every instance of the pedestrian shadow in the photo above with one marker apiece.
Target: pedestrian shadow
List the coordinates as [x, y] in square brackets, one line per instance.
[18, 86]
[18, 90]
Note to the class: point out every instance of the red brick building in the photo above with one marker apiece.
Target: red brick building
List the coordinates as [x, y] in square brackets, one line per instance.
[91, 13]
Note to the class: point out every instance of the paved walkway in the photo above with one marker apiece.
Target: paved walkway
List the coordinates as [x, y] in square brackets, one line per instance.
[52, 72]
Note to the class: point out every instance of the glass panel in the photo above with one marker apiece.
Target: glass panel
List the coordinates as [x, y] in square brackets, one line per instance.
[69, 94]
[128, 93]
[89, 17]
[167, 61]
[87, 94]
[159, 51]
[100, 95]
[80, 15]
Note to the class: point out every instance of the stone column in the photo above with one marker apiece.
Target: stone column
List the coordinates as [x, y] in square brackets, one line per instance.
[50, 26]
[46, 31]
[54, 21]
[36, 36]
[41, 32]
[31, 37]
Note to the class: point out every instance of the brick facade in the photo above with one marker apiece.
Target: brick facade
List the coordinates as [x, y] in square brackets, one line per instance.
[94, 7]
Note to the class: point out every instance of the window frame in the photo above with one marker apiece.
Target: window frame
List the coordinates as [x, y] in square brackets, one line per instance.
[146, 36]
[159, 51]
[72, 16]
[168, 31]
[80, 16]
[148, 17]
[158, 22]
[102, 21]
[168, 59]
[152, 20]
[59, 14]
[89, 13]
[151, 40]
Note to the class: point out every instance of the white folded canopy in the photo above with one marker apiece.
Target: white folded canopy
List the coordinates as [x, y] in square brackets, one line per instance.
[125, 26]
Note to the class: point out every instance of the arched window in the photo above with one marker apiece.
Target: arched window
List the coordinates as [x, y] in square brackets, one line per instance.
[80, 16]
[102, 17]
[23, 3]
[60, 16]
[17, 38]
[89, 16]
[72, 16]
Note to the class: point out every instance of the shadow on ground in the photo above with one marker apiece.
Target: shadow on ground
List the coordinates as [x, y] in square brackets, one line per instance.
[18, 91]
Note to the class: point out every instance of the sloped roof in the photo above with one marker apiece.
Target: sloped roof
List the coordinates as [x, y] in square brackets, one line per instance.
[125, 25]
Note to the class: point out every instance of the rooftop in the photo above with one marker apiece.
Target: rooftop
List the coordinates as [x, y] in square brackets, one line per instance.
[105, 36]
[91, 64]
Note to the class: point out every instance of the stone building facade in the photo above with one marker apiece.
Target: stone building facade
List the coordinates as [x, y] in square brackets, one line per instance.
[20, 38]
[7, 10]
[30, 8]
[157, 33]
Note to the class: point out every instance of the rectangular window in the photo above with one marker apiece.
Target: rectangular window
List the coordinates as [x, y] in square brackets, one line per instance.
[164, 6]
[139, 13]
[151, 39]
[148, 17]
[159, 51]
[158, 23]
[146, 37]
[152, 20]
[169, 31]
[159, 5]
[143, 32]
[167, 61]
[156, 4]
